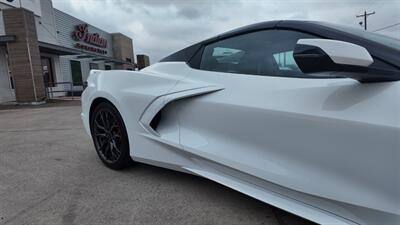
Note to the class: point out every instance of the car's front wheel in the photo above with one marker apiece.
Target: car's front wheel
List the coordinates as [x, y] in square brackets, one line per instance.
[110, 137]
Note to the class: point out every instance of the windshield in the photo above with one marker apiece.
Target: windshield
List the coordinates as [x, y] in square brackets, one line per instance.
[382, 39]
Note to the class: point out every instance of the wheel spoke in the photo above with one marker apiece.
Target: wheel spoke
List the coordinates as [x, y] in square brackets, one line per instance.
[114, 126]
[117, 136]
[107, 150]
[98, 126]
[112, 148]
[101, 135]
[107, 119]
[103, 120]
[117, 150]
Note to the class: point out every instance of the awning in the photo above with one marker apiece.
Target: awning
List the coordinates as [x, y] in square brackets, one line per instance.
[105, 59]
[60, 50]
[56, 49]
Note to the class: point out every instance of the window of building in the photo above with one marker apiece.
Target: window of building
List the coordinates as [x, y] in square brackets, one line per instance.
[266, 53]
[107, 67]
[76, 73]
[12, 83]
[93, 66]
[128, 59]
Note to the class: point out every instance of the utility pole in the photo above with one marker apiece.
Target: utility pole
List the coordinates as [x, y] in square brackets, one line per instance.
[365, 15]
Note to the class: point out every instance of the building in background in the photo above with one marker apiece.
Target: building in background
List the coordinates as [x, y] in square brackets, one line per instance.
[142, 61]
[42, 48]
[123, 49]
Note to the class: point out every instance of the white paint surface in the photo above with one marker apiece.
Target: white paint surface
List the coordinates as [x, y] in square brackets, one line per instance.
[341, 52]
[325, 149]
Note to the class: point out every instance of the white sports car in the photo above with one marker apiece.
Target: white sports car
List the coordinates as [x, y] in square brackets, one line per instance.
[302, 115]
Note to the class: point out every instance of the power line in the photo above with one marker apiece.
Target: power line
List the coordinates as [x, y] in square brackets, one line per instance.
[383, 28]
[365, 15]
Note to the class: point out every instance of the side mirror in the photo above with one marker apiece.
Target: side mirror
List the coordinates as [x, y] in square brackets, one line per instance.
[324, 55]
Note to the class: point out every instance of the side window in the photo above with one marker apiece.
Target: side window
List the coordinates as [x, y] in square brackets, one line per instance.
[227, 55]
[266, 53]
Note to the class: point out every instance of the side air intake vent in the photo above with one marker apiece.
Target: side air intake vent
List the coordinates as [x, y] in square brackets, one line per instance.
[156, 120]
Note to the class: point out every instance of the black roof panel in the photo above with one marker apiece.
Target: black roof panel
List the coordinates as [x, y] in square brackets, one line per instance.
[376, 49]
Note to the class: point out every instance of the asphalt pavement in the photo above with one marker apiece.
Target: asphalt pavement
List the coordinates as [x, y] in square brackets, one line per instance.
[50, 174]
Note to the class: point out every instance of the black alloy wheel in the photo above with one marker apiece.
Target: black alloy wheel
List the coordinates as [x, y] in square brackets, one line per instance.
[110, 137]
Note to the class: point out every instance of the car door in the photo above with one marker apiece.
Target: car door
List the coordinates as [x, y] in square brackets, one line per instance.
[315, 135]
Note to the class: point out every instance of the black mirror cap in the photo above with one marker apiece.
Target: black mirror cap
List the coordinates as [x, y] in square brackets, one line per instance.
[312, 59]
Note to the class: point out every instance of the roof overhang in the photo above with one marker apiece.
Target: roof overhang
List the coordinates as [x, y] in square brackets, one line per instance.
[60, 50]
[56, 49]
[106, 59]
[7, 38]
[99, 59]
[83, 56]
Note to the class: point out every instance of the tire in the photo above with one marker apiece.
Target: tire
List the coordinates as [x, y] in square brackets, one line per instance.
[110, 137]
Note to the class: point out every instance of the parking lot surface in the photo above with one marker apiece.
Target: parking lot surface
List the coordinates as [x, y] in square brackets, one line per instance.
[50, 174]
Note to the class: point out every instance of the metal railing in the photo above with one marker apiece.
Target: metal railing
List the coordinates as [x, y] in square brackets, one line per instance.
[67, 88]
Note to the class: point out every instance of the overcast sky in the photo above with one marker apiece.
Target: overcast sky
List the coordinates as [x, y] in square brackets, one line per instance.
[159, 28]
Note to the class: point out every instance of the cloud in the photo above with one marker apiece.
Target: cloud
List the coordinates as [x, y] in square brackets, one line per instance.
[159, 28]
[189, 13]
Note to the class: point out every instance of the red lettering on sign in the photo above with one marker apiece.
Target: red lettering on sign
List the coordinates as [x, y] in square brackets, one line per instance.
[81, 33]
[90, 48]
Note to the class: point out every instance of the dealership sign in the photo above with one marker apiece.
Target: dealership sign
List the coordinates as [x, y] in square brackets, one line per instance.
[81, 33]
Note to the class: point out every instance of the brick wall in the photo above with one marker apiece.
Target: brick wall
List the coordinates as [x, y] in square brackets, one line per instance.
[24, 55]
[142, 61]
[123, 49]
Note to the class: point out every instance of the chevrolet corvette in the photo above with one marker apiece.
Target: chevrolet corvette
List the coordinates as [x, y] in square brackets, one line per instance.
[301, 115]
